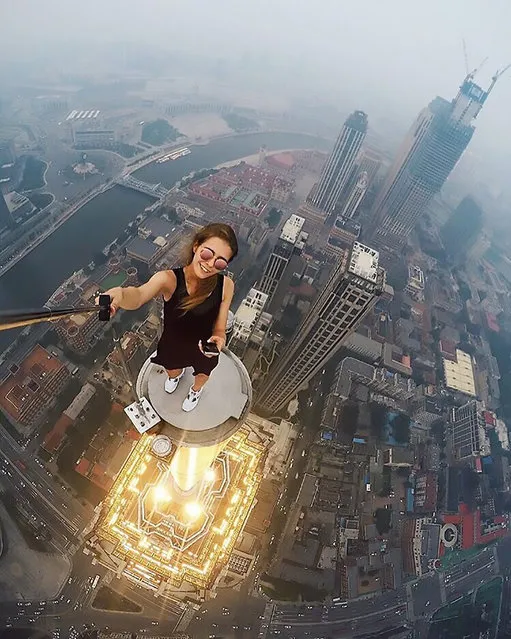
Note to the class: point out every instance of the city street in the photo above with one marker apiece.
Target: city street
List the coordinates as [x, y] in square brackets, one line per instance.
[387, 610]
[73, 515]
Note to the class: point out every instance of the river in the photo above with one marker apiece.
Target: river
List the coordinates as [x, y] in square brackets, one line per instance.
[33, 279]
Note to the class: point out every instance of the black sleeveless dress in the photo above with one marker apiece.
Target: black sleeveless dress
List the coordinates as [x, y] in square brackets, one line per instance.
[179, 344]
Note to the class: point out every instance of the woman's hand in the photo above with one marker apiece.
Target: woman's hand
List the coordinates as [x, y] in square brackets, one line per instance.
[215, 339]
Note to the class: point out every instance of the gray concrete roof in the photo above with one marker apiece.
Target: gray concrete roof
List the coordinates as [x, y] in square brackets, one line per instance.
[223, 406]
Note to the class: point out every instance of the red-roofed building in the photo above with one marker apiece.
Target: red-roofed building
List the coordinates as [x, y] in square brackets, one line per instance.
[244, 188]
[100, 478]
[473, 530]
[31, 387]
[491, 322]
[448, 349]
[83, 467]
[466, 527]
[53, 440]
[491, 529]
[489, 419]
[283, 161]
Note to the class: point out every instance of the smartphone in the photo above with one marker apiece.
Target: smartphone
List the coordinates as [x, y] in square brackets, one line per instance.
[210, 348]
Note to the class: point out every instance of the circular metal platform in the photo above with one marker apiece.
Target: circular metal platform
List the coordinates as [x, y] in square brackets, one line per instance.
[223, 406]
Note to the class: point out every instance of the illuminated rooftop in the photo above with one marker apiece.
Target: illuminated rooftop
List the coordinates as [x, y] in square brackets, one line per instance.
[157, 540]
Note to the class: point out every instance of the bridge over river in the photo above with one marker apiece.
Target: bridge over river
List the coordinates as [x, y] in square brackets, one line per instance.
[154, 190]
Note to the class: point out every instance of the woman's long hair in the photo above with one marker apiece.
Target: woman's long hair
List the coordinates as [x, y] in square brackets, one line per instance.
[207, 286]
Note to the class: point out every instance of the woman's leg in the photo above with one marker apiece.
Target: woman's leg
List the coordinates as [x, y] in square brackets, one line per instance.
[200, 380]
[192, 399]
[174, 372]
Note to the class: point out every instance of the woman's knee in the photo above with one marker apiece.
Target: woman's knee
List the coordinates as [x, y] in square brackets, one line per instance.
[174, 372]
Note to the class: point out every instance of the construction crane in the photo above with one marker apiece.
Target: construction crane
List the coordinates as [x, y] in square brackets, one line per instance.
[465, 56]
[471, 74]
[498, 74]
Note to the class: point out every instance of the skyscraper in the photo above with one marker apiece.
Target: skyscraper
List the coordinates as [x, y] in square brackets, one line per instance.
[370, 162]
[460, 231]
[291, 241]
[182, 497]
[427, 156]
[468, 429]
[339, 165]
[246, 321]
[355, 196]
[349, 294]
[5, 215]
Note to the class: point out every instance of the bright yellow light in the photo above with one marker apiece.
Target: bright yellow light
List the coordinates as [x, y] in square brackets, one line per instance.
[193, 509]
[210, 475]
[161, 494]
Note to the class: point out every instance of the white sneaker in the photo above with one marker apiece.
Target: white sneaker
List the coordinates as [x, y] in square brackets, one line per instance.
[192, 399]
[171, 383]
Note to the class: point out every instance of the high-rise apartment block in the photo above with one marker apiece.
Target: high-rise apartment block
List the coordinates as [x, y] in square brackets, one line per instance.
[134, 355]
[339, 166]
[468, 430]
[349, 294]
[355, 196]
[291, 241]
[246, 321]
[427, 156]
[461, 230]
[369, 161]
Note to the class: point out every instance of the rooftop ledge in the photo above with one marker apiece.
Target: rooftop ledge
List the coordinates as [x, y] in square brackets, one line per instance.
[222, 408]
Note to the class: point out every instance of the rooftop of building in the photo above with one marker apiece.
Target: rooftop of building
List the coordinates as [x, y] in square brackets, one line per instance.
[364, 262]
[348, 225]
[138, 247]
[415, 276]
[130, 342]
[292, 229]
[26, 380]
[15, 200]
[80, 401]
[159, 227]
[250, 308]
[459, 374]
[54, 438]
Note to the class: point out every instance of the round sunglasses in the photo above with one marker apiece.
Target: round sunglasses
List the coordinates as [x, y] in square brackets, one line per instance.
[207, 254]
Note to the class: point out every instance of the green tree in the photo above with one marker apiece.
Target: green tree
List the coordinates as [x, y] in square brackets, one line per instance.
[99, 258]
[398, 275]
[273, 218]
[349, 417]
[378, 416]
[401, 428]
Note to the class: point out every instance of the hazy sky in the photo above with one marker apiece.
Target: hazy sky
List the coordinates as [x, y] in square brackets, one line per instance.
[389, 56]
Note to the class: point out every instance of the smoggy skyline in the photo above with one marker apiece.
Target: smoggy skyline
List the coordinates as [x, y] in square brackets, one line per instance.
[388, 58]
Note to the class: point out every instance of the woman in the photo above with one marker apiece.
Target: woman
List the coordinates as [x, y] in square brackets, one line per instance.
[197, 299]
